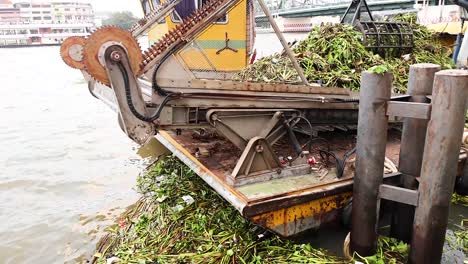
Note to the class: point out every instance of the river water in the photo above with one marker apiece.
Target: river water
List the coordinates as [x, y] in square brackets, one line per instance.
[66, 169]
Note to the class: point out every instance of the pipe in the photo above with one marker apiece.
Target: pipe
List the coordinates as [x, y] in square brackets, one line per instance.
[439, 167]
[421, 80]
[370, 158]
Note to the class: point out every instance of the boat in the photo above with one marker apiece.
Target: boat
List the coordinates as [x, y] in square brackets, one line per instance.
[246, 140]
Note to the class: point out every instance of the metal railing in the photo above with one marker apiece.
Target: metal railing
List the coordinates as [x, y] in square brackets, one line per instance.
[312, 4]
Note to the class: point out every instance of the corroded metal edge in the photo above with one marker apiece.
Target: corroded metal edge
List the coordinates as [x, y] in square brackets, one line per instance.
[226, 191]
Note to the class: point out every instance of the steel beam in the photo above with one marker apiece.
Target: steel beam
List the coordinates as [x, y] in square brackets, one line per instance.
[420, 83]
[439, 166]
[370, 156]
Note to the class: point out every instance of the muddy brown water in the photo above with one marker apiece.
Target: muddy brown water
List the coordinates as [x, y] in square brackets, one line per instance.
[66, 169]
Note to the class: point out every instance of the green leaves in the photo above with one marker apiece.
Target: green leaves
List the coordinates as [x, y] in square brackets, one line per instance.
[207, 231]
[379, 69]
[210, 230]
[334, 55]
[389, 251]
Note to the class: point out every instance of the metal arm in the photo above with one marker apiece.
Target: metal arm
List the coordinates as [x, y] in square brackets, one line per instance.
[357, 4]
[128, 95]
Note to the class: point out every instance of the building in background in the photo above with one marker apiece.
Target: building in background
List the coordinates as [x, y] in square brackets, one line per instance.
[5, 4]
[100, 17]
[43, 23]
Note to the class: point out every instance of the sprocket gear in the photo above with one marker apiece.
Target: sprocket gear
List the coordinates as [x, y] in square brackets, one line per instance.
[71, 52]
[110, 35]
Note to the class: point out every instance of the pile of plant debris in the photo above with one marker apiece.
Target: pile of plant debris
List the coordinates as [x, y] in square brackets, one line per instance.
[333, 55]
[181, 220]
[456, 244]
[460, 199]
[466, 120]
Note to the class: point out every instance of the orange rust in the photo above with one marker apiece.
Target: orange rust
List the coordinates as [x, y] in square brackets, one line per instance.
[201, 166]
[100, 37]
[65, 51]
[314, 208]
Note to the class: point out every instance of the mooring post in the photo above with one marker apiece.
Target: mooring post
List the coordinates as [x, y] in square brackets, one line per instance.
[439, 166]
[413, 138]
[370, 157]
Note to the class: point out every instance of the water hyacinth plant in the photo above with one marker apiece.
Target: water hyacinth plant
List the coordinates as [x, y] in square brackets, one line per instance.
[181, 220]
[334, 55]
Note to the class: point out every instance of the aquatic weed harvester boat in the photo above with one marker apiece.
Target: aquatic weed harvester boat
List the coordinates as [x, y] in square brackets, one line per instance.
[256, 144]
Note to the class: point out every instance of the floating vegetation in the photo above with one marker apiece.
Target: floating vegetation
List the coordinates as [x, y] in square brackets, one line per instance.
[456, 244]
[181, 220]
[466, 120]
[460, 199]
[389, 250]
[184, 221]
[333, 55]
[462, 236]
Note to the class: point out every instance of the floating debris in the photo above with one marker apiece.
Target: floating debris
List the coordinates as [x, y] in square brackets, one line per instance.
[207, 230]
[333, 55]
[460, 200]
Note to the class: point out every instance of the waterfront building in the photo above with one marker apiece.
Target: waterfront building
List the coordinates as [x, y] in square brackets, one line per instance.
[43, 23]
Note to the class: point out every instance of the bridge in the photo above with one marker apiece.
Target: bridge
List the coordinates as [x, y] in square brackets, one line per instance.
[311, 8]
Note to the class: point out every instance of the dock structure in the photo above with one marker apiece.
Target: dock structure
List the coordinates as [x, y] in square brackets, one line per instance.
[420, 83]
[429, 171]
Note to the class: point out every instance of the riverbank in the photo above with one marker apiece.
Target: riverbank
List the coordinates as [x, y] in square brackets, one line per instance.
[180, 219]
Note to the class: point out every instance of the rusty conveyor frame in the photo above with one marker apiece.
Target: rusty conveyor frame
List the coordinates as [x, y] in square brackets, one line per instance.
[288, 213]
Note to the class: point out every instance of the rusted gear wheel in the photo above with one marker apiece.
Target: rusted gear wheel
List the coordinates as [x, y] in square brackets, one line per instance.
[98, 42]
[71, 52]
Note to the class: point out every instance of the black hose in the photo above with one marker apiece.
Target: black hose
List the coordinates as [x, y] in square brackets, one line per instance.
[156, 88]
[131, 106]
[340, 163]
[319, 139]
[308, 123]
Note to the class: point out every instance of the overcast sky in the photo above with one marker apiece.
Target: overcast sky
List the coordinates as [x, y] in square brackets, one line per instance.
[118, 5]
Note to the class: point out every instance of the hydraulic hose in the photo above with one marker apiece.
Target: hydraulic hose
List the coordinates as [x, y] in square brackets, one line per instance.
[131, 106]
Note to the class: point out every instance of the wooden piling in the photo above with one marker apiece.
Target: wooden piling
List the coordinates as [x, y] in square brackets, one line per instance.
[421, 80]
[370, 157]
[443, 142]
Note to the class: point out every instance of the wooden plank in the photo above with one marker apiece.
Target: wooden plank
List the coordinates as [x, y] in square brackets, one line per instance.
[409, 109]
[397, 194]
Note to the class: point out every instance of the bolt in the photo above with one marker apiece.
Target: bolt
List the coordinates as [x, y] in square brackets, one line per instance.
[259, 149]
[116, 56]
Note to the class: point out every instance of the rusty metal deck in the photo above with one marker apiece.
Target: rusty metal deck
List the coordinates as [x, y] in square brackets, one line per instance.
[286, 206]
[312, 198]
